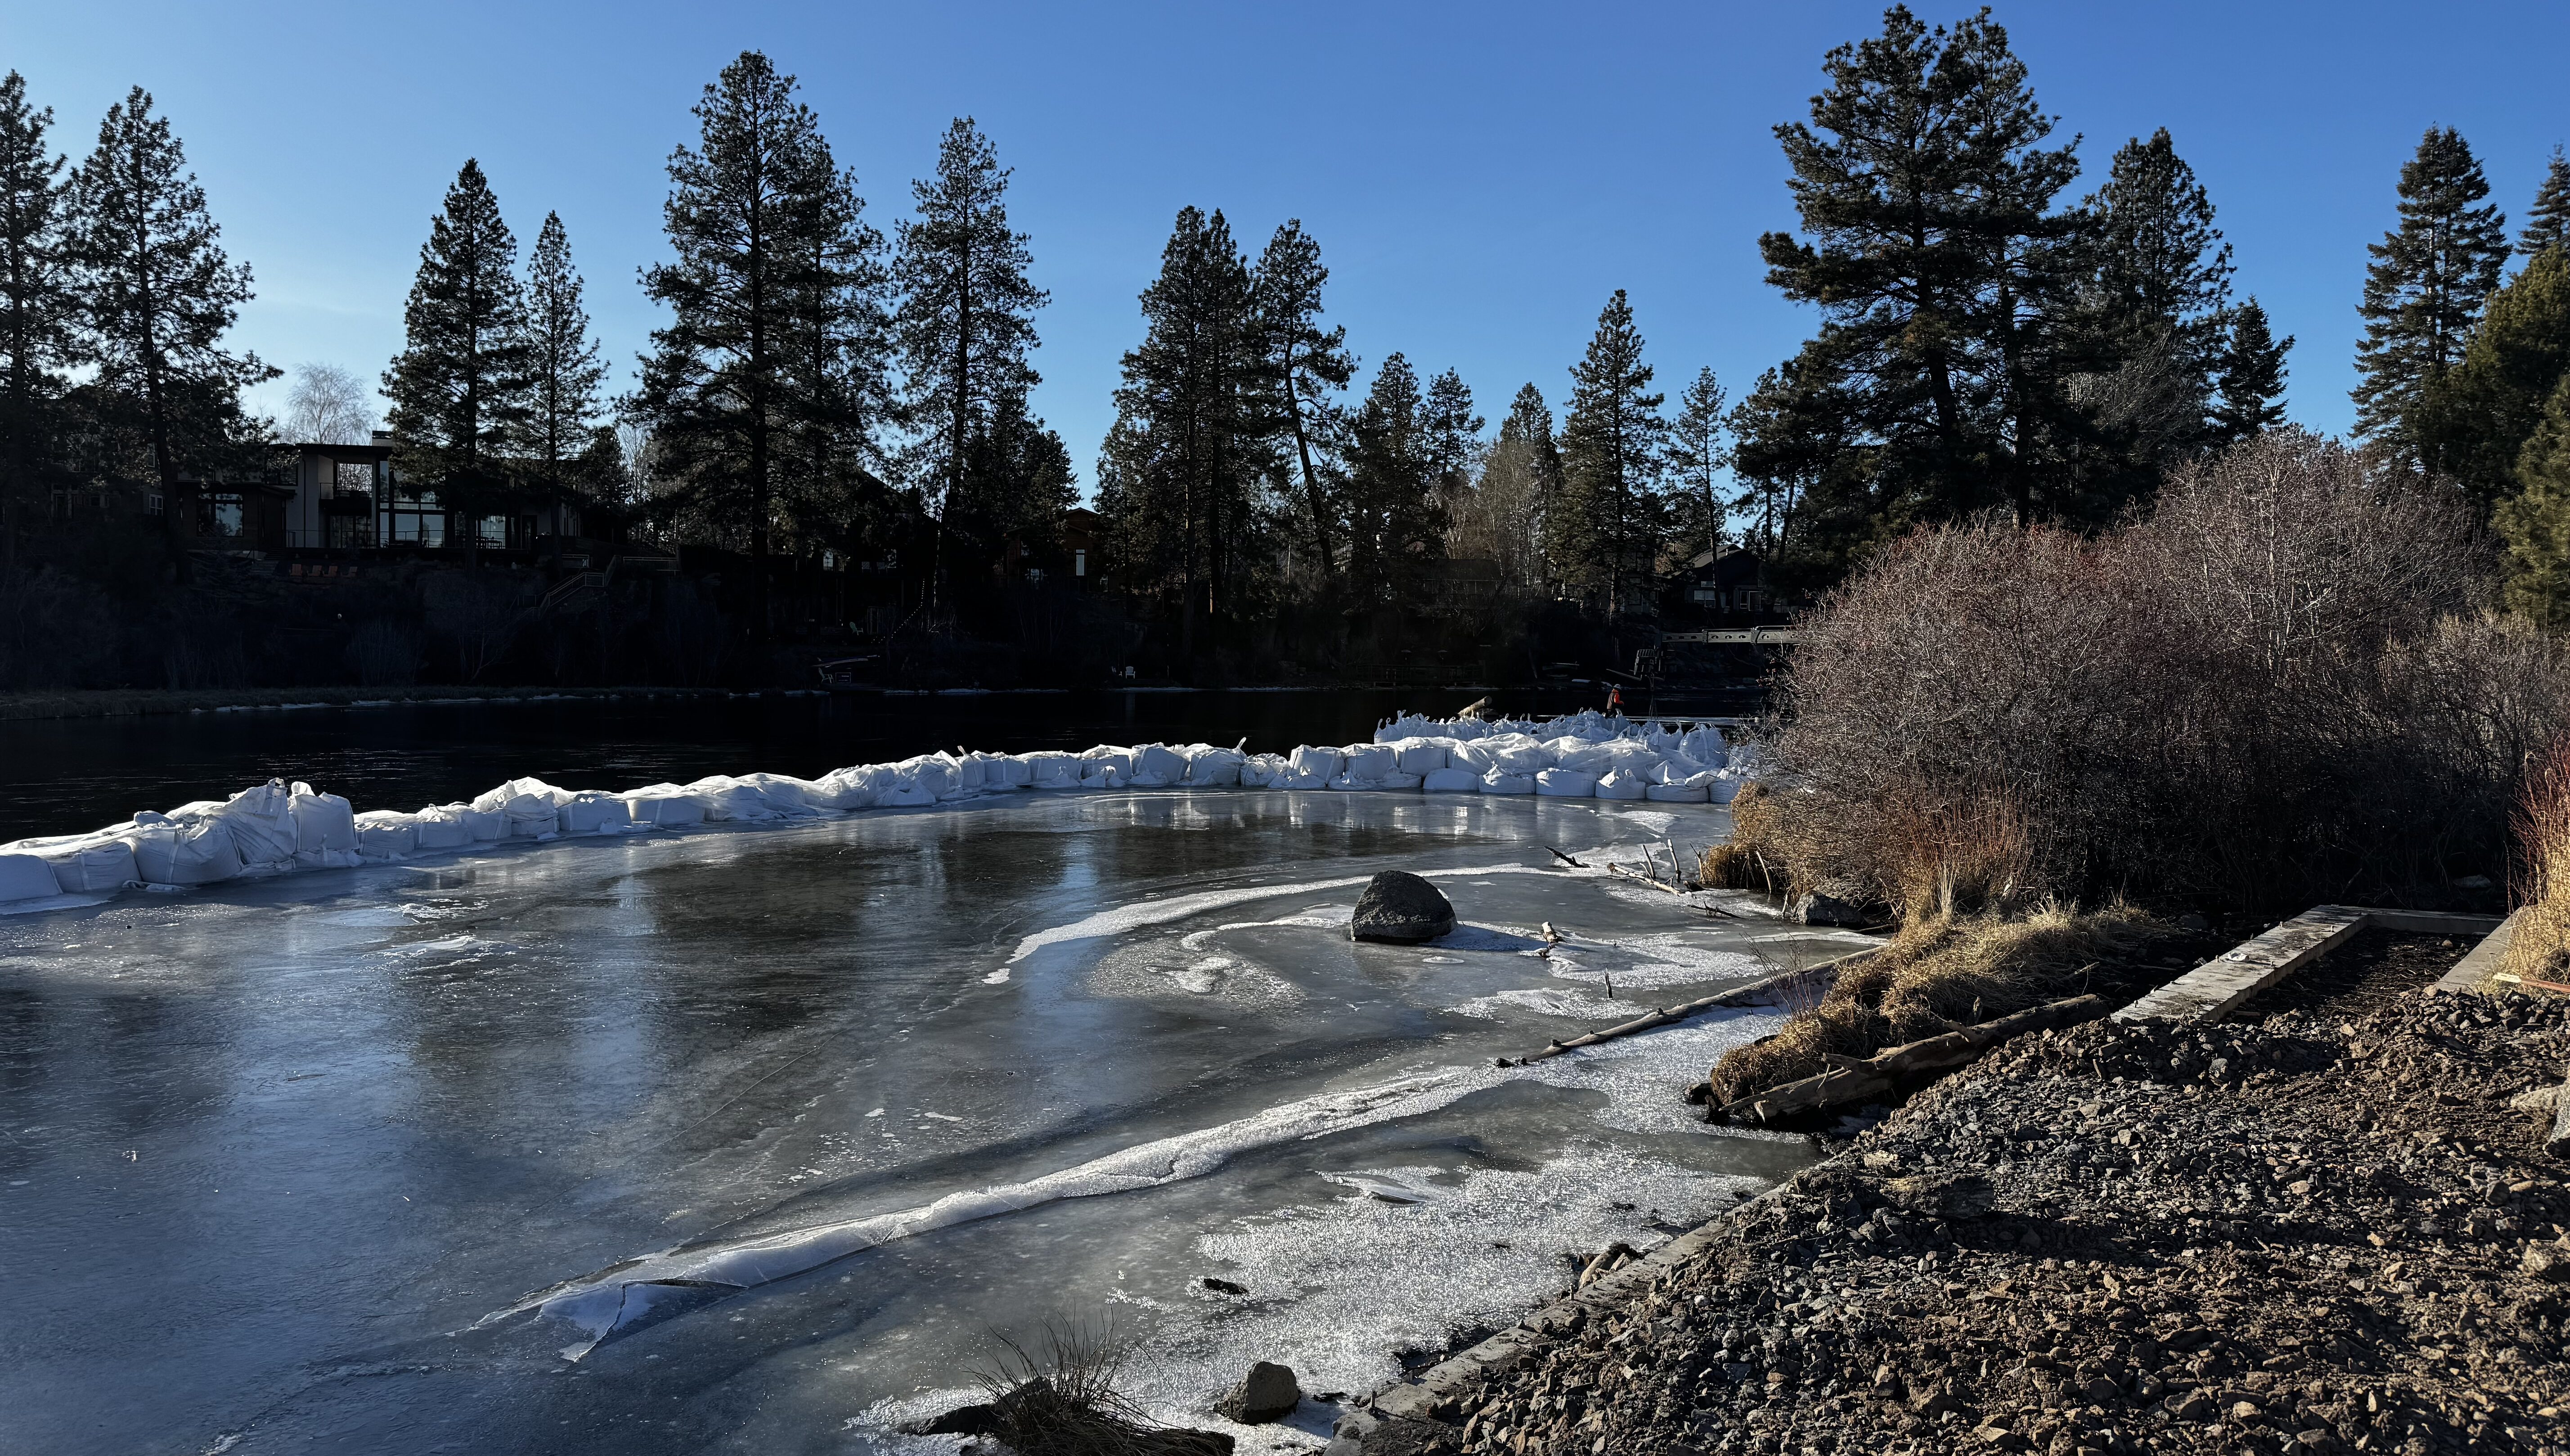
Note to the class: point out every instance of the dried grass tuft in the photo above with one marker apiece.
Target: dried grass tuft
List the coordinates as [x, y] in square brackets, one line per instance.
[1056, 1395]
[2539, 947]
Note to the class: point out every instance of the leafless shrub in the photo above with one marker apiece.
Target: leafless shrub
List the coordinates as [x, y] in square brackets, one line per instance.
[2540, 944]
[2279, 685]
[1054, 1394]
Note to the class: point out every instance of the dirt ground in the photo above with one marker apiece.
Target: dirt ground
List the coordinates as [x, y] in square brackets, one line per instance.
[2321, 1230]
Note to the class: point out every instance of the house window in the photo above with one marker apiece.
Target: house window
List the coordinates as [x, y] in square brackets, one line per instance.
[1080, 563]
[152, 505]
[226, 518]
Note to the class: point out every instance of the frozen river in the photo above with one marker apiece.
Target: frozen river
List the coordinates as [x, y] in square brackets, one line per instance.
[350, 1161]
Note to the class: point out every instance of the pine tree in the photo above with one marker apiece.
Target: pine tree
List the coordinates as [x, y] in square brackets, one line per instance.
[717, 389]
[159, 295]
[1606, 531]
[2477, 416]
[1451, 435]
[2158, 285]
[39, 308]
[562, 369]
[1396, 515]
[843, 400]
[2547, 223]
[1502, 519]
[1696, 460]
[1308, 365]
[967, 320]
[2535, 521]
[1178, 479]
[459, 387]
[2249, 393]
[2424, 289]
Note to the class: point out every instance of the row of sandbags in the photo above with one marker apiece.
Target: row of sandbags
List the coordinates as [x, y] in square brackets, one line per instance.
[276, 827]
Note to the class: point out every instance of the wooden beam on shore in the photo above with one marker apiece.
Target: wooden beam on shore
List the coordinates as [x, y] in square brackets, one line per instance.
[1852, 1080]
[1736, 996]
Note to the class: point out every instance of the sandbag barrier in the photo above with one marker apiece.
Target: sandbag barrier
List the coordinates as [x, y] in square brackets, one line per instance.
[279, 827]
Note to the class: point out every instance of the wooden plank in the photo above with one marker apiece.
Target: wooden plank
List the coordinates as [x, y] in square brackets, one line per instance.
[2219, 985]
[2477, 964]
[1736, 996]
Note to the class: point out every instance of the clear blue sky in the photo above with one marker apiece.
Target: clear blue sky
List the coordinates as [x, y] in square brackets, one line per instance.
[1479, 177]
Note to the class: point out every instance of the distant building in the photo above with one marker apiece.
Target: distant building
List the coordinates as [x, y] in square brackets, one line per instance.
[337, 497]
[1730, 579]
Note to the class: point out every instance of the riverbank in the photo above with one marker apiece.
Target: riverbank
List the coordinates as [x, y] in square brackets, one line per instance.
[135, 702]
[2306, 1233]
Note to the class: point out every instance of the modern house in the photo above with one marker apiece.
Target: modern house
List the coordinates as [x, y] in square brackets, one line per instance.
[336, 498]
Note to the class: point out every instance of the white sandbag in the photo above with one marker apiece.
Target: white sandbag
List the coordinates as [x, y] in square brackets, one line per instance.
[384, 834]
[1471, 757]
[1727, 786]
[1100, 774]
[440, 827]
[1321, 765]
[87, 864]
[1566, 784]
[905, 796]
[25, 877]
[1266, 771]
[725, 799]
[530, 817]
[1622, 783]
[1581, 757]
[1706, 746]
[840, 789]
[518, 789]
[1158, 765]
[1005, 771]
[1517, 754]
[1399, 779]
[783, 794]
[198, 852]
[929, 773]
[1418, 755]
[322, 821]
[595, 814]
[1366, 763]
[1676, 793]
[1450, 780]
[1210, 768]
[1498, 782]
[261, 824]
[1052, 770]
[486, 824]
[669, 810]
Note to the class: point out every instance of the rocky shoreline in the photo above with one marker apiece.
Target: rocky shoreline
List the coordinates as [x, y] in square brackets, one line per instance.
[2301, 1234]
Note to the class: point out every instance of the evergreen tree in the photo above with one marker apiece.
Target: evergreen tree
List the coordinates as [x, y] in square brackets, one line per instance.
[2158, 283]
[1451, 434]
[1604, 533]
[159, 295]
[1397, 514]
[2535, 521]
[843, 400]
[1502, 519]
[2250, 395]
[1696, 460]
[967, 319]
[1308, 364]
[1022, 481]
[2424, 289]
[2476, 417]
[1808, 477]
[459, 387]
[717, 389]
[1178, 479]
[39, 308]
[562, 369]
[2547, 223]
[1943, 272]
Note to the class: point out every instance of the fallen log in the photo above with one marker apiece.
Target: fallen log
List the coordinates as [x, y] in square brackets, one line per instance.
[1852, 1080]
[1736, 996]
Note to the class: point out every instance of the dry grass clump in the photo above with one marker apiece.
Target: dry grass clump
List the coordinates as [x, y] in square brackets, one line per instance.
[2539, 947]
[2281, 686]
[1740, 863]
[1944, 971]
[1059, 1398]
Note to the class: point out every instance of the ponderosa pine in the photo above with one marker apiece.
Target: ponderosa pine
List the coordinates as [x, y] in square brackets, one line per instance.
[2424, 289]
[562, 367]
[1603, 532]
[39, 306]
[459, 387]
[2249, 393]
[1697, 459]
[1308, 364]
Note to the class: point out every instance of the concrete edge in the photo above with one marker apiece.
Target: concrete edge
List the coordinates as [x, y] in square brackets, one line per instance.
[2482, 961]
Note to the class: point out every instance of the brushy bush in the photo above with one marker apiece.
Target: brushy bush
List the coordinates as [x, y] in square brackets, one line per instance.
[1057, 1395]
[1943, 971]
[2538, 948]
[2282, 685]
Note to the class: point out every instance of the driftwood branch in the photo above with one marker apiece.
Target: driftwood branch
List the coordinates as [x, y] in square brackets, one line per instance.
[1851, 1080]
[1736, 996]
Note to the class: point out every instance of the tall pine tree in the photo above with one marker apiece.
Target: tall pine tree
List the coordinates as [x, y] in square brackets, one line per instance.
[2424, 290]
[967, 320]
[2477, 416]
[1940, 267]
[717, 389]
[2535, 521]
[1451, 434]
[1696, 460]
[459, 387]
[1396, 513]
[1603, 534]
[2547, 223]
[159, 295]
[2249, 396]
[562, 369]
[1179, 480]
[2158, 279]
[843, 403]
[39, 308]
[1308, 364]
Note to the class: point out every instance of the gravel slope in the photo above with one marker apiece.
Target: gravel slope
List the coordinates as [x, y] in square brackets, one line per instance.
[2306, 1233]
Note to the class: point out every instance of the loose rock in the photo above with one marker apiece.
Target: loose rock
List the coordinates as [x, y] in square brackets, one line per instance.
[1267, 1394]
[1402, 909]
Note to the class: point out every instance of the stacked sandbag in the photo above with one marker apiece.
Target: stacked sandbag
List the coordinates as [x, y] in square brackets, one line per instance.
[443, 826]
[385, 835]
[1311, 768]
[1212, 768]
[1053, 770]
[84, 864]
[262, 822]
[592, 812]
[326, 830]
[26, 877]
[169, 850]
[1158, 765]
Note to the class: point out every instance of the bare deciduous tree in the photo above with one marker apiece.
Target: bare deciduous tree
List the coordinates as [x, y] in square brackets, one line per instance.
[329, 407]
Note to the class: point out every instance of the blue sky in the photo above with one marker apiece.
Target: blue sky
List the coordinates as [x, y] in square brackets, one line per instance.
[1479, 177]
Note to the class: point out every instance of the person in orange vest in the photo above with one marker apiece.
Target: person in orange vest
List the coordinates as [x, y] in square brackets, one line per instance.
[1614, 700]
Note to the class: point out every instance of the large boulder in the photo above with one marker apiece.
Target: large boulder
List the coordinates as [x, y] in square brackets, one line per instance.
[1401, 908]
[1267, 1394]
